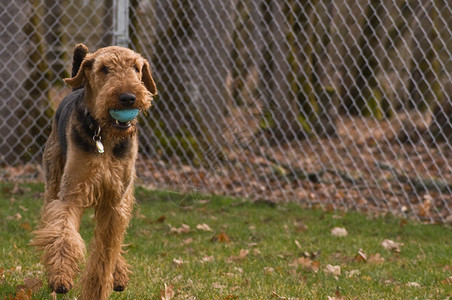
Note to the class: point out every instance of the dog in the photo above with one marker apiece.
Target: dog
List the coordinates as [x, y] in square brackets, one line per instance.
[89, 161]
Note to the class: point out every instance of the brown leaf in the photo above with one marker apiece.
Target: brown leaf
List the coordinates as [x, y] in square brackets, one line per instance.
[275, 295]
[183, 229]
[188, 241]
[178, 261]
[161, 219]
[447, 281]
[376, 259]
[413, 284]
[306, 264]
[426, 206]
[352, 273]
[361, 256]
[222, 238]
[34, 284]
[26, 226]
[391, 245]
[167, 293]
[334, 270]
[300, 227]
[297, 243]
[339, 231]
[207, 259]
[203, 227]
[23, 293]
[242, 255]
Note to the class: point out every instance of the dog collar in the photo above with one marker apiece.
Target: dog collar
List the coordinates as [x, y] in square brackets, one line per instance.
[92, 125]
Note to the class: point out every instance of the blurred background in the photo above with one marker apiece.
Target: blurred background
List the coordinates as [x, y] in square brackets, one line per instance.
[337, 104]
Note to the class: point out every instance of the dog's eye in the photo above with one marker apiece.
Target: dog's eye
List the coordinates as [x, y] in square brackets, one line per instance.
[105, 70]
[136, 69]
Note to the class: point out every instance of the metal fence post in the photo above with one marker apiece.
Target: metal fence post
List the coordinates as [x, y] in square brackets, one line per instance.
[121, 23]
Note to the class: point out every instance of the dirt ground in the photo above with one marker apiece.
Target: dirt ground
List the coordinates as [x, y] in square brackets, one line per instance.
[363, 168]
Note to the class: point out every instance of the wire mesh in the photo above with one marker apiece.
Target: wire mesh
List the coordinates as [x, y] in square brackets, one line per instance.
[338, 104]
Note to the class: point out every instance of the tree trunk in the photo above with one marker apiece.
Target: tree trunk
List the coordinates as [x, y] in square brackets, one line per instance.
[365, 97]
[188, 114]
[13, 77]
[288, 80]
[53, 28]
[424, 86]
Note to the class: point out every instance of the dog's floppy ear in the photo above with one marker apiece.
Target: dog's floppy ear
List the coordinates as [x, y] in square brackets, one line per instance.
[79, 65]
[147, 78]
[79, 79]
[80, 52]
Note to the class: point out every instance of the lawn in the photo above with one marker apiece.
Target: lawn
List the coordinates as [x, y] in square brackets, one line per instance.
[210, 247]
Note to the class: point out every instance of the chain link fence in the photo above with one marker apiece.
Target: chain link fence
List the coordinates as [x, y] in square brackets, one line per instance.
[337, 104]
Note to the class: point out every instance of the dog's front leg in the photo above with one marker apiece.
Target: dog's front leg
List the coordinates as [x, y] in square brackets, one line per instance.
[111, 223]
[63, 247]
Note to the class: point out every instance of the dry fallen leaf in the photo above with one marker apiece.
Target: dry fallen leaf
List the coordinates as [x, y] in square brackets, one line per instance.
[334, 270]
[242, 255]
[426, 206]
[218, 286]
[413, 284]
[203, 227]
[178, 261]
[222, 238]
[275, 295]
[352, 273]
[298, 244]
[391, 245]
[376, 259]
[361, 256]
[34, 284]
[23, 294]
[187, 241]
[16, 217]
[161, 219]
[167, 293]
[183, 229]
[447, 281]
[306, 264]
[26, 226]
[339, 231]
[207, 259]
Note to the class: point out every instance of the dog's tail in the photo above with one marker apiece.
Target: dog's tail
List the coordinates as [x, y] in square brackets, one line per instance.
[80, 52]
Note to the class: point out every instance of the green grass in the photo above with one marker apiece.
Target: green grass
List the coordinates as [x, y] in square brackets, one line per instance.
[267, 232]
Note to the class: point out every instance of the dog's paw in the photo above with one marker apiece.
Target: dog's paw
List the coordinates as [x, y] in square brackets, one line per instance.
[119, 288]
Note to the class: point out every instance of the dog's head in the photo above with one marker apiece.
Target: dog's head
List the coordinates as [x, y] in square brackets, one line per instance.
[114, 78]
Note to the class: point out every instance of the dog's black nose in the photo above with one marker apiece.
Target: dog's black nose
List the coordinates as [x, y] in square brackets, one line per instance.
[127, 99]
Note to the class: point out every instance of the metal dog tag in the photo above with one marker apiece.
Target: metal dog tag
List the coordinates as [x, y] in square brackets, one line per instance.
[97, 138]
[100, 146]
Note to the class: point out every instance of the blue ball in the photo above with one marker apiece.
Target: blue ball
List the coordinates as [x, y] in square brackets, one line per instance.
[124, 115]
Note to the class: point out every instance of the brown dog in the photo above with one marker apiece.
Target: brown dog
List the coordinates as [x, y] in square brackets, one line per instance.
[89, 161]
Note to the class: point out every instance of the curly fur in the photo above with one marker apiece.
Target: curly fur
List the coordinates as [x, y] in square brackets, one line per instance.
[78, 176]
